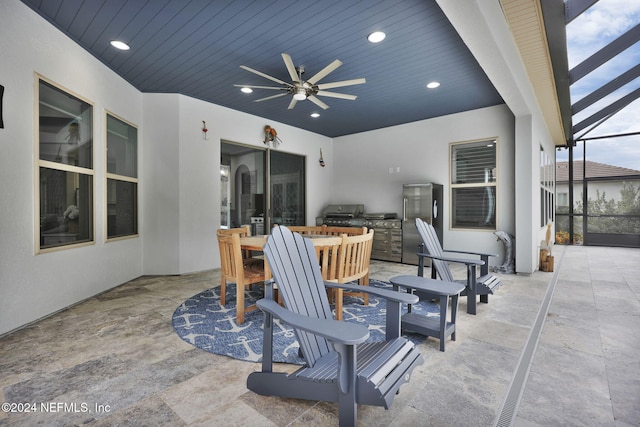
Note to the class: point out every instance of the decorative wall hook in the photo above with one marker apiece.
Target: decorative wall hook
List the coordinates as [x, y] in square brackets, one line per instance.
[321, 159]
[204, 130]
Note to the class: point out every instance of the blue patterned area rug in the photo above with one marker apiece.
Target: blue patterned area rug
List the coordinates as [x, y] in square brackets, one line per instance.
[203, 322]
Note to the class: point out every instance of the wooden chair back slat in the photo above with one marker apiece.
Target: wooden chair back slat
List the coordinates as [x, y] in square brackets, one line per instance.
[356, 256]
[354, 259]
[231, 256]
[244, 231]
[327, 250]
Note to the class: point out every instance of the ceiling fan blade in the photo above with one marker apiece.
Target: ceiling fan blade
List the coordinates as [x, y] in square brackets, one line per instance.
[266, 76]
[326, 70]
[317, 102]
[270, 97]
[336, 95]
[290, 67]
[342, 83]
[262, 87]
[292, 103]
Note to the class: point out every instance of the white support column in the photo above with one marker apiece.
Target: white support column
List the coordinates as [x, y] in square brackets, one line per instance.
[527, 188]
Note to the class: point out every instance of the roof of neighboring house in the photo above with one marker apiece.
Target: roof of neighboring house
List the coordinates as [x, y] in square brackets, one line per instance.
[594, 170]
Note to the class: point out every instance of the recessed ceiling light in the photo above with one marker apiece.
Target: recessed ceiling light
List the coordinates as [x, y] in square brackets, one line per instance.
[314, 115]
[119, 45]
[246, 90]
[433, 85]
[376, 37]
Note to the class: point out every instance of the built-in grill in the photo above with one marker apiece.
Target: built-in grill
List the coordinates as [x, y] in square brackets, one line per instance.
[383, 215]
[387, 236]
[342, 216]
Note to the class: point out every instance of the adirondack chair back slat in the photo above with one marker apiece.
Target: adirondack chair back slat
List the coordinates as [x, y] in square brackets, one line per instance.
[432, 245]
[297, 273]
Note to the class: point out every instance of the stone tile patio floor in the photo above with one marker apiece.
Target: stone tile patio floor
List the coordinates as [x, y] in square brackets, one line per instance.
[115, 359]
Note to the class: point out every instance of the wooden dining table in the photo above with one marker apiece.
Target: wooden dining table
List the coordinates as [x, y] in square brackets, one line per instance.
[325, 246]
[253, 243]
[256, 243]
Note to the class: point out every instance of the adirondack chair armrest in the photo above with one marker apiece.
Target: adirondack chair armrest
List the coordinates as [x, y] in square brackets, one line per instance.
[484, 269]
[470, 253]
[388, 294]
[333, 330]
[466, 261]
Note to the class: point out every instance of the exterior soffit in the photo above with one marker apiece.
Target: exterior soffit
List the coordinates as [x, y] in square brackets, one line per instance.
[526, 22]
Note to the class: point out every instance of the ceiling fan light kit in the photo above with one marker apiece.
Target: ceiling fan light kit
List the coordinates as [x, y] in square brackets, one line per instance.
[300, 95]
[301, 89]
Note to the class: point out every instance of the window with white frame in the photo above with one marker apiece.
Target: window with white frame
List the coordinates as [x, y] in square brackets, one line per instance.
[122, 178]
[473, 184]
[547, 188]
[64, 152]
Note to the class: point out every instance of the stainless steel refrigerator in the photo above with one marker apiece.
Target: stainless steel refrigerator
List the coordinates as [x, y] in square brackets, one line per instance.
[419, 201]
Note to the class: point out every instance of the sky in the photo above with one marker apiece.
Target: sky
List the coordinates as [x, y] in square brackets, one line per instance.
[591, 31]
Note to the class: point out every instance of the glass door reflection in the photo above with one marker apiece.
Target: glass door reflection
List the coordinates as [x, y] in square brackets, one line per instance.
[260, 196]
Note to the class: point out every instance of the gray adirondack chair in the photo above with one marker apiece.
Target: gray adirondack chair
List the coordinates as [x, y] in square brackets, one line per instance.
[340, 366]
[483, 285]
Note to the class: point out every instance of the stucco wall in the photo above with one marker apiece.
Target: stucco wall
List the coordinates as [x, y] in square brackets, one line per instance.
[182, 177]
[31, 285]
[372, 166]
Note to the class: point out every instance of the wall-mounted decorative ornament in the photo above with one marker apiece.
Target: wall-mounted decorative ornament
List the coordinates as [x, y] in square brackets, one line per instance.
[321, 159]
[1, 94]
[204, 130]
[270, 135]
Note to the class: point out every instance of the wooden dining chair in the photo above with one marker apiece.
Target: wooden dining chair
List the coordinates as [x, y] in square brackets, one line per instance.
[251, 262]
[354, 259]
[244, 231]
[236, 270]
[307, 230]
[349, 231]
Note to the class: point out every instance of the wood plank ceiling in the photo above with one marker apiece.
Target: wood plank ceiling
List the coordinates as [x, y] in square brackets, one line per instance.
[196, 48]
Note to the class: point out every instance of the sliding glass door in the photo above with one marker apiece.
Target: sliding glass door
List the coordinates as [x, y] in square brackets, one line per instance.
[287, 189]
[260, 187]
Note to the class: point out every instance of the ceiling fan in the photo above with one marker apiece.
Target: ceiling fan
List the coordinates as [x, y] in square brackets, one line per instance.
[301, 89]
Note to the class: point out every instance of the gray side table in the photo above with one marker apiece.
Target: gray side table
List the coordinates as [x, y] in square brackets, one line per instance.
[437, 289]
